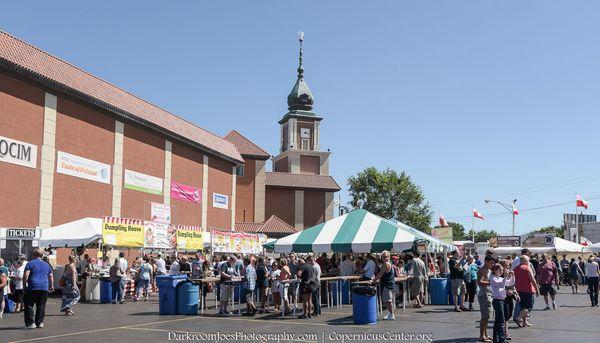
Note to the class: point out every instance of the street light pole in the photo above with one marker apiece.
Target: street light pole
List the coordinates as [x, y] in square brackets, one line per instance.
[509, 208]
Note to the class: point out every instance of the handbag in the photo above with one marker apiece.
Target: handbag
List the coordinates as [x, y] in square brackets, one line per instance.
[62, 282]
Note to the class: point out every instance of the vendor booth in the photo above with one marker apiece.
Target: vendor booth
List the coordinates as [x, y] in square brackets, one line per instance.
[544, 244]
[594, 247]
[17, 241]
[357, 232]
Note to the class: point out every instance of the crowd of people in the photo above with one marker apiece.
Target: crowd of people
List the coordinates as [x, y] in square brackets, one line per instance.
[505, 286]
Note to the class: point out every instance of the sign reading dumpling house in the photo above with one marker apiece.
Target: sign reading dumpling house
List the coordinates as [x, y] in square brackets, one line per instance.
[17, 152]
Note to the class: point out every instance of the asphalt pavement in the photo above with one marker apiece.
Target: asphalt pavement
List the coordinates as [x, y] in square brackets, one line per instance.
[573, 321]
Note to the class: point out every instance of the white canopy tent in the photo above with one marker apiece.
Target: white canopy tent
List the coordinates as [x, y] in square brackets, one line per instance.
[594, 247]
[84, 231]
[560, 246]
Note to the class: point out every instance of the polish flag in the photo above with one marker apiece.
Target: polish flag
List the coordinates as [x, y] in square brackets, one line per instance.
[443, 222]
[581, 202]
[515, 210]
[477, 214]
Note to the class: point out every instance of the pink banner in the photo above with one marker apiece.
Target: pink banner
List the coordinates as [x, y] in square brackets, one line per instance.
[184, 192]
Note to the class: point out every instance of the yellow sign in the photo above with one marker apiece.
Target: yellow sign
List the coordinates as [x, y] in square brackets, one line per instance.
[190, 240]
[123, 234]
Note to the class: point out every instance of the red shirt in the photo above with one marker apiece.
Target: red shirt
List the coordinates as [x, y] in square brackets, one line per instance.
[522, 282]
[546, 273]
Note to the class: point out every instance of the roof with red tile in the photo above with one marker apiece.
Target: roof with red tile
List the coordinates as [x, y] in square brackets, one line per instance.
[271, 226]
[57, 74]
[246, 147]
[301, 181]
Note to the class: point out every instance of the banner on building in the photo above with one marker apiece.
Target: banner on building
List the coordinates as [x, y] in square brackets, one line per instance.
[505, 241]
[538, 240]
[444, 234]
[143, 182]
[185, 193]
[160, 213]
[574, 234]
[159, 236]
[189, 238]
[17, 152]
[122, 232]
[220, 201]
[84, 168]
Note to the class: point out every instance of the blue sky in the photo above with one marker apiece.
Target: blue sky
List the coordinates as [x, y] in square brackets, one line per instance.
[473, 99]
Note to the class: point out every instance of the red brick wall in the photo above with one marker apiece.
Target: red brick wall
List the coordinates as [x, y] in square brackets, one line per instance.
[280, 202]
[186, 168]
[143, 152]
[87, 133]
[314, 208]
[21, 118]
[245, 193]
[309, 165]
[282, 165]
[219, 181]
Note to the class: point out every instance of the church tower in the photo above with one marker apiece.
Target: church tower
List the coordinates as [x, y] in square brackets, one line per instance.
[300, 151]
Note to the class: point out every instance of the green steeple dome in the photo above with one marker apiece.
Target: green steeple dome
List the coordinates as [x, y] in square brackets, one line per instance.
[300, 98]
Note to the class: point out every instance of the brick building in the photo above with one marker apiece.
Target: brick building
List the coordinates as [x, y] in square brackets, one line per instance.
[299, 190]
[73, 145]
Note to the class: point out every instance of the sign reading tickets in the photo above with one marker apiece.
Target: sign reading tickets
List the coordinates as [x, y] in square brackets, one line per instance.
[159, 236]
[17, 152]
[189, 238]
[444, 234]
[123, 232]
[220, 201]
[143, 182]
[84, 168]
[160, 213]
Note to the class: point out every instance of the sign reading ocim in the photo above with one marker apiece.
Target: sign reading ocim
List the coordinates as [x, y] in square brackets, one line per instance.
[17, 152]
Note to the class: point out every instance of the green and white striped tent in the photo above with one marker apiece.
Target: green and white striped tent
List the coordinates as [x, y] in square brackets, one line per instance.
[359, 232]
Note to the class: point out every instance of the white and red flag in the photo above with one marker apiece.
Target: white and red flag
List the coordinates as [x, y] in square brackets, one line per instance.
[443, 222]
[581, 202]
[477, 214]
[515, 210]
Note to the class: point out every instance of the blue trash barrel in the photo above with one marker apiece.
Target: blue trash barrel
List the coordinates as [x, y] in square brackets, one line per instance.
[364, 309]
[345, 292]
[188, 294]
[238, 292]
[439, 289]
[167, 293]
[105, 291]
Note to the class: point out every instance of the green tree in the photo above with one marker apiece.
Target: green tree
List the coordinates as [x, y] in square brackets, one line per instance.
[555, 230]
[390, 194]
[482, 236]
[458, 231]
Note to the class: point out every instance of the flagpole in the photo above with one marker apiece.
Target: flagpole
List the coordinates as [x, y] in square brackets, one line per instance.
[576, 222]
[473, 223]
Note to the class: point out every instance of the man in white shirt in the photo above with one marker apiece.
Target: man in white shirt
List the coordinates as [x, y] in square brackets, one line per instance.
[174, 269]
[123, 262]
[592, 274]
[316, 294]
[370, 267]
[161, 265]
[347, 267]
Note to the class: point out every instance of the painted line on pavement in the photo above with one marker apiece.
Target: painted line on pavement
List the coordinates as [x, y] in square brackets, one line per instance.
[101, 330]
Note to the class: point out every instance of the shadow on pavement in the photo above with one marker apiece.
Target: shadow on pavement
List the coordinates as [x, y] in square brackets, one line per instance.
[454, 340]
